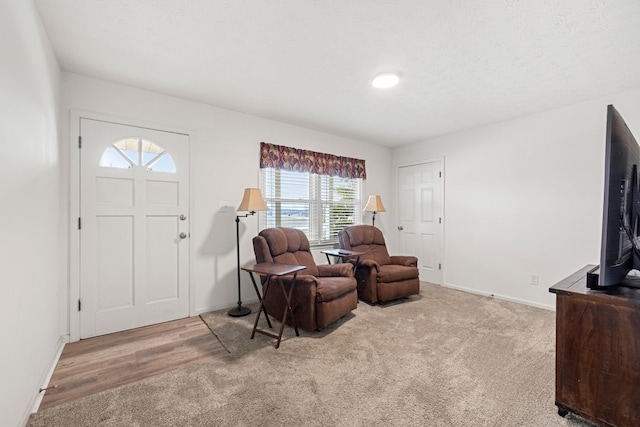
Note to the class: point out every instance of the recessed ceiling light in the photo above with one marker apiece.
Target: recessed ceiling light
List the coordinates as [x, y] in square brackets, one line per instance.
[385, 80]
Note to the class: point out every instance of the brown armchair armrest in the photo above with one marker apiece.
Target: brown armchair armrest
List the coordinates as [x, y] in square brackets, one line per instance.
[369, 263]
[408, 260]
[335, 270]
[302, 281]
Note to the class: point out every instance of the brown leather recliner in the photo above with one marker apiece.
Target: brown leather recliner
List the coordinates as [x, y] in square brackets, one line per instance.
[322, 293]
[380, 277]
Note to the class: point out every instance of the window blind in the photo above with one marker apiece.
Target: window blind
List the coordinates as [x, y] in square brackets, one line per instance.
[319, 205]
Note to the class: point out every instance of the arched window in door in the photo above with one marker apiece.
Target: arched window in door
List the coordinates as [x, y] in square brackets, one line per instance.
[137, 152]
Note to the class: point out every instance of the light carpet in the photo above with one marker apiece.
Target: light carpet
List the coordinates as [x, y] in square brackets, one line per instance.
[441, 358]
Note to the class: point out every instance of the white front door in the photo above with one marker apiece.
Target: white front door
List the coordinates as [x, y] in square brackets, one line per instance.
[420, 217]
[134, 227]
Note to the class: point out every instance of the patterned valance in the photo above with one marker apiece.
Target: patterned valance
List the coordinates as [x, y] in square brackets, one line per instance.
[297, 160]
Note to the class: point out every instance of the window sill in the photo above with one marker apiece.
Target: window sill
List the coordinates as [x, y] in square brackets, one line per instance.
[324, 245]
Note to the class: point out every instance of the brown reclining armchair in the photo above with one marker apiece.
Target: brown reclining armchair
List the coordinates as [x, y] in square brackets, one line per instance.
[322, 293]
[380, 277]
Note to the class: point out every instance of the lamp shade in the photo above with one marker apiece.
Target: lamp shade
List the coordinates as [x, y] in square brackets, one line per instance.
[374, 204]
[252, 201]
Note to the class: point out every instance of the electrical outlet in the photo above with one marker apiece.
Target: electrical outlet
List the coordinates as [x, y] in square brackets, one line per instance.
[534, 279]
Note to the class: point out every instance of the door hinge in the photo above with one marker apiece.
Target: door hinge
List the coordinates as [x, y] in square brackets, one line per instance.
[79, 224]
[79, 304]
[439, 266]
[440, 220]
[79, 142]
[440, 174]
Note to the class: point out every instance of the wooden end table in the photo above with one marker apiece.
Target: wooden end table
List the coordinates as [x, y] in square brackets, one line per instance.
[341, 255]
[271, 269]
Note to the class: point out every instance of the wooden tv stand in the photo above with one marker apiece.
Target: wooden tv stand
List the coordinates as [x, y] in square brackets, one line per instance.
[597, 352]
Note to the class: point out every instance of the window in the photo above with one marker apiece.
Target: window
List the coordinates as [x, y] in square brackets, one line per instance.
[317, 193]
[319, 205]
[137, 152]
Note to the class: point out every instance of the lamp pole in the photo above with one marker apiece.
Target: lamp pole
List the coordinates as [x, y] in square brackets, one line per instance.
[239, 310]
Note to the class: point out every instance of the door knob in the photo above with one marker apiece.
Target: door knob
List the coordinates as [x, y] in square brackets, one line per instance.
[400, 228]
[183, 236]
[183, 217]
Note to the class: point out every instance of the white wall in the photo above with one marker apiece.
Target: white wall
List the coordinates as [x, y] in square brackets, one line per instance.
[225, 153]
[31, 253]
[524, 197]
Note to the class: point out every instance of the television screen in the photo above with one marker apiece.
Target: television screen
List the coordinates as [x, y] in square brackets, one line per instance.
[620, 246]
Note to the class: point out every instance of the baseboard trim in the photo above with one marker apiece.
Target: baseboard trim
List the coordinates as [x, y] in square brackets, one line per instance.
[501, 297]
[37, 399]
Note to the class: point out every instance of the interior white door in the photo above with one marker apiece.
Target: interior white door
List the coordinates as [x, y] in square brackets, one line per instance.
[420, 217]
[134, 227]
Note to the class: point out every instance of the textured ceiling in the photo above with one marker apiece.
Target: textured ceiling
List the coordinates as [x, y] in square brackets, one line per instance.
[464, 63]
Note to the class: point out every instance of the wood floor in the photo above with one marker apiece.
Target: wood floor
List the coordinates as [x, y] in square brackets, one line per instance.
[101, 363]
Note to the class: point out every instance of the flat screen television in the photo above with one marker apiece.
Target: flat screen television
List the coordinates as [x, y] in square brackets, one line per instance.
[620, 245]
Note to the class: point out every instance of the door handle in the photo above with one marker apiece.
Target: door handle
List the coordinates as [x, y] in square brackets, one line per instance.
[183, 235]
[400, 228]
[183, 217]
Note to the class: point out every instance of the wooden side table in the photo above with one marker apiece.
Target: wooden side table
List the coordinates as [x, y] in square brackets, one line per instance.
[270, 269]
[341, 255]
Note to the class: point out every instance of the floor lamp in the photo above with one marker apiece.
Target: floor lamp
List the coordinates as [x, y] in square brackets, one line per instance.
[374, 204]
[252, 202]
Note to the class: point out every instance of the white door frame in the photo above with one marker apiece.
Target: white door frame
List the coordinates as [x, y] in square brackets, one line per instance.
[397, 201]
[74, 207]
